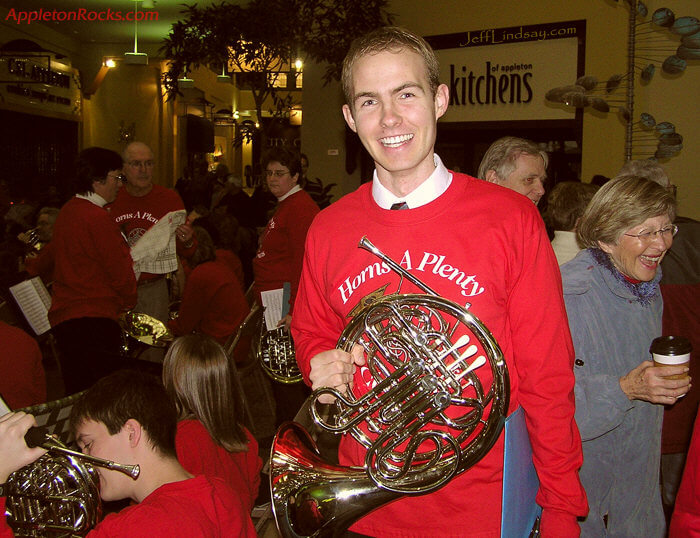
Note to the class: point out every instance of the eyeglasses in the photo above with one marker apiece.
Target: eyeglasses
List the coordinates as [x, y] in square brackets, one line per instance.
[119, 177]
[276, 173]
[666, 232]
[139, 164]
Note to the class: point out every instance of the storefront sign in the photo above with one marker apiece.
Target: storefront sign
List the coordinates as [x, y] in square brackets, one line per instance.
[502, 74]
[38, 83]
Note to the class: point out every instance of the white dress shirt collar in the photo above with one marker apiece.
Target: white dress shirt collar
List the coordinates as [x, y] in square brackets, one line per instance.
[426, 192]
[94, 198]
[295, 188]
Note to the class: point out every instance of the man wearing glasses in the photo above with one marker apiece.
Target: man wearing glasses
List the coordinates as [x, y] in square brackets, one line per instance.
[281, 253]
[140, 205]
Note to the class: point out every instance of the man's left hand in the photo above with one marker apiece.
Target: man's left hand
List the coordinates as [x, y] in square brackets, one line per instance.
[184, 233]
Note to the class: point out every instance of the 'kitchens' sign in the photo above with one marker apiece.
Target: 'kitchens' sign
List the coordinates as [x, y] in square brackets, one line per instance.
[502, 74]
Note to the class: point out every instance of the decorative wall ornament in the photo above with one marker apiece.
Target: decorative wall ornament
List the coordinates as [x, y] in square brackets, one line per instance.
[664, 39]
[126, 134]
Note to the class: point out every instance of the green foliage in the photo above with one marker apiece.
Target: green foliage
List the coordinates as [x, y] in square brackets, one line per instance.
[263, 35]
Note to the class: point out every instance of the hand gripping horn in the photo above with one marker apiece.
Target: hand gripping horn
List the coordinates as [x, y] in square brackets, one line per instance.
[58, 494]
[437, 406]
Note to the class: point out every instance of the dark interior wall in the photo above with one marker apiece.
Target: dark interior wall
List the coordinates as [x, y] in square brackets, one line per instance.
[38, 152]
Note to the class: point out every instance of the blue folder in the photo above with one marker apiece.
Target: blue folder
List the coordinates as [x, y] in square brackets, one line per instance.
[520, 482]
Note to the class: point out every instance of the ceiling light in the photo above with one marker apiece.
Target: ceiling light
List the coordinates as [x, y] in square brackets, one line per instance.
[223, 77]
[185, 83]
[136, 57]
[109, 62]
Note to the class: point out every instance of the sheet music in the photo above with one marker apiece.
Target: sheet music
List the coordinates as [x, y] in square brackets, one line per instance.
[155, 251]
[272, 302]
[34, 301]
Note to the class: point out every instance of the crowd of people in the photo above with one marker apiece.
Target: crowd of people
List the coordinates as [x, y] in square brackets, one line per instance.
[574, 319]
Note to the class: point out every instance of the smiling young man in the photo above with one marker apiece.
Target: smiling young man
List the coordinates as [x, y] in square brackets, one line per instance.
[471, 241]
[516, 164]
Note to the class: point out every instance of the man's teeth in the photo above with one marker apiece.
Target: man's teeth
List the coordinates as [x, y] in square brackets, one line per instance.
[395, 141]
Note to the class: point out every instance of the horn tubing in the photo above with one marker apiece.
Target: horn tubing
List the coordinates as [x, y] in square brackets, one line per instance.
[131, 470]
[367, 245]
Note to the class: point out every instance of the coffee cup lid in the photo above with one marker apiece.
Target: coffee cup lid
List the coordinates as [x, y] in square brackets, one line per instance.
[671, 345]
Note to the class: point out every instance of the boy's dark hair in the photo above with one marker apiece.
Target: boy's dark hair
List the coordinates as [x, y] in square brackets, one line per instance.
[285, 157]
[126, 394]
[93, 164]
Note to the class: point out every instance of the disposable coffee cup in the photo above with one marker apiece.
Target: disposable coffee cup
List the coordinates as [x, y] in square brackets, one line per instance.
[671, 351]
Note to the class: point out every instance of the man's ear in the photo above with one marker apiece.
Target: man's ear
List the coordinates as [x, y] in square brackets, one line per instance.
[295, 178]
[134, 432]
[492, 177]
[347, 114]
[442, 98]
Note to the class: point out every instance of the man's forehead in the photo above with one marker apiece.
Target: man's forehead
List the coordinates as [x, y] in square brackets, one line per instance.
[398, 60]
[89, 427]
[139, 152]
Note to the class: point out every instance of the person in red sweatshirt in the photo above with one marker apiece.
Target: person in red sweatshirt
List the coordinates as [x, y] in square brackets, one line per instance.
[140, 205]
[213, 301]
[211, 438]
[94, 280]
[281, 253]
[280, 256]
[130, 420]
[472, 242]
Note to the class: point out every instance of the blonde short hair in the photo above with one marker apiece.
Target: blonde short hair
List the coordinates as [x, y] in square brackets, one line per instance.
[393, 39]
[620, 204]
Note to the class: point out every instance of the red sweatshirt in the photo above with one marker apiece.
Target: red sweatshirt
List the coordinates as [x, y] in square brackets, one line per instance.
[199, 454]
[213, 302]
[22, 376]
[685, 522]
[200, 506]
[281, 253]
[93, 274]
[476, 243]
[136, 214]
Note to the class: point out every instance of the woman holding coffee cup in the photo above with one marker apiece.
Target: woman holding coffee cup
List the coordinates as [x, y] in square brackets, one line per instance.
[611, 290]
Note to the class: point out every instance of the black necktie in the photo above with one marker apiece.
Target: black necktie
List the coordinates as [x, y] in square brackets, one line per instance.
[399, 205]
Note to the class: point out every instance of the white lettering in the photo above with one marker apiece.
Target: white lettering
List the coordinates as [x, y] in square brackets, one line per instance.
[405, 261]
[468, 284]
[428, 259]
[345, 288]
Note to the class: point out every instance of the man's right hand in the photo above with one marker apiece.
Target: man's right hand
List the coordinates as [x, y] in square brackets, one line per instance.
[335, 369]
[14, 452]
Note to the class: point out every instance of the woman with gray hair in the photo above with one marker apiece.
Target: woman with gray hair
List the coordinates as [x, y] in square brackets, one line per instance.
[612, 296]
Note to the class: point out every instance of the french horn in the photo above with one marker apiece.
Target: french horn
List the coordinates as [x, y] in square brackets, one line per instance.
[275, 349]
[145, 329]
[58, 494]
[437, 406]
